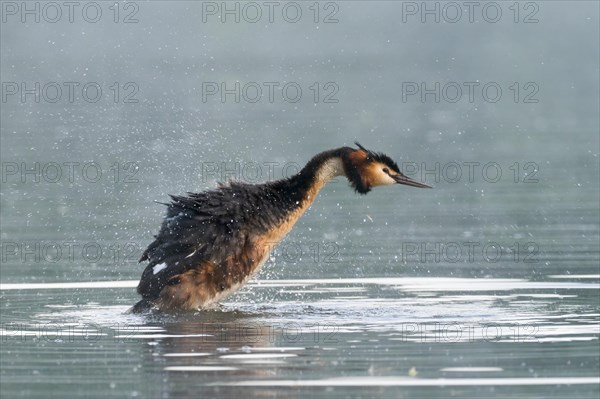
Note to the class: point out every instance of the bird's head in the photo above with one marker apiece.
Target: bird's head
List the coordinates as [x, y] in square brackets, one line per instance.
[366, 169]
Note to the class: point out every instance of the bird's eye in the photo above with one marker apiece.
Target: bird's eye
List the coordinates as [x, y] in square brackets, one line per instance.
[386, 170]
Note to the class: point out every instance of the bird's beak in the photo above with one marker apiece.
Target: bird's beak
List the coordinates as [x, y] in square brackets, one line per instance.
[401, 179]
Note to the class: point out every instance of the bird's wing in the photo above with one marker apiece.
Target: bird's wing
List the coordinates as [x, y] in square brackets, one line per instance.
[197, 228]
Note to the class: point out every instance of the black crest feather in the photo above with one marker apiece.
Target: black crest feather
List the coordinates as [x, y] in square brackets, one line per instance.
[380, 157]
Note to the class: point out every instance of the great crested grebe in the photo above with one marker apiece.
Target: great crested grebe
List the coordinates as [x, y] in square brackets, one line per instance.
[211, 243]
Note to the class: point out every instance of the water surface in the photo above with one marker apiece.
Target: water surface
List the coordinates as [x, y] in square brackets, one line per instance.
[483, 286]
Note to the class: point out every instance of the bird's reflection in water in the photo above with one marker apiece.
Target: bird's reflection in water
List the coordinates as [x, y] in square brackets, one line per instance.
[219, 346]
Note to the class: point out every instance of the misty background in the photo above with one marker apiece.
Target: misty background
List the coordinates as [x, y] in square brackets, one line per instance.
[369, 54]
[484, 286]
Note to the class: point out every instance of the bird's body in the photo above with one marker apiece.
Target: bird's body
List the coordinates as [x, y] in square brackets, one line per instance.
[211, 243]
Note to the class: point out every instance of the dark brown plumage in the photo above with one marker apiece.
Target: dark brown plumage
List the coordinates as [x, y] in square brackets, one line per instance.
[212, 242]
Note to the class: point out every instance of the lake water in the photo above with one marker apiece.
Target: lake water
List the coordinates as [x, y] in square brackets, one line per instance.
[487, 285]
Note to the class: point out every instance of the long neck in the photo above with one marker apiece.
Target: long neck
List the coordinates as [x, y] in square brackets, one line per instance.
[321, 169]
[291, 197]
[318, 171]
